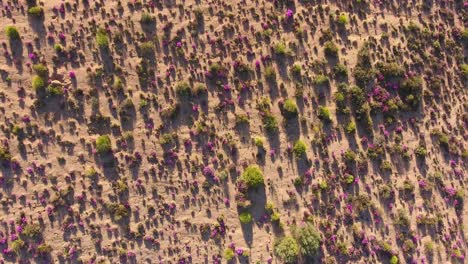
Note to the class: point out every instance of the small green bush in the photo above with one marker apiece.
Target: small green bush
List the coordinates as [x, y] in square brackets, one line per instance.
[102, 39]
[32, 230]
[290, 108]
[17, 245]
[420, 151]
[44, 249]
[296, 69]
[280, 49]
[147, 49]
[324, 113]
[394, 260]
[270, 73]
[36, 11]
[245, 218]
[351, 127]
[253, 176]
[340, 70]
[12, 33]
[270, 123]
[390, 70]
[308, 239]
[118, 211]
[183, 89]
[147, 18]
[41, 70]
[103, 144]
[229, 254]
[342, 19]
[330, 49]
[349, 155]
[321, 80]
[287, 249]
[4, 154]
[464, 69]
[299, 148]
[38, 83]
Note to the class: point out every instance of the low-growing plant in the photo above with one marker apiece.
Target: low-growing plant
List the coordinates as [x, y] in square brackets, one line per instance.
[253, 176]
[351, 127]
[146, 18]
[102, 39]
[5, 155]
[32, 230]
[299, 148]
[103, 144]
[330, 49]
[342, 20]
[308, 240]
[270, 73]
[44, 249]
[17, 245]
[36, 11]
[245, 218]
[324, 113]
[290, 108]
[183, 89]
[41, 70]
[38, 84]
[280, 49]
[229, 254]
[12, 33]
[270, 123]
[287, 249]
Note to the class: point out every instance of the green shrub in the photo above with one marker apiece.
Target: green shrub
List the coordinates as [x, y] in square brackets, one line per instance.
[245, 218]
[464, 69]
[330, 49]
[321, 80]
[324, 113]
[296, 69]
[290, 108]
[420, 151]
[351, 127]
[390, 70]
[363, 75]
[270, 123]
[44, 249]
[308, 239]
[12, 33]
[32, 230]
[103, 144]
[17, 245]
[258, 141]
[280, 49]
[54, 89]
[270, 73]
[340, 70]
[147, 49]
[287, 249]
[41, 70]
[36, 11]
[183, 89]
[102, 39]
[147, 18]
[4, 154]
[118, 211]
[342, 19]
[229, 254]
[299, 148]
[38, 83]
[349, 155]
[394, 260]
[253, 176]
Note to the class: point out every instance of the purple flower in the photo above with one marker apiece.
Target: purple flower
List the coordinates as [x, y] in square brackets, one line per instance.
[72, 74]
[289, 13]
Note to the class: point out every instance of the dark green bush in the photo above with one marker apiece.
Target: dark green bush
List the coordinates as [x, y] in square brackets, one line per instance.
[32, 230]
[324, 113]
[183, 89]
[330, 49]
[308, 240]
[270, 123]
[12, 33]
